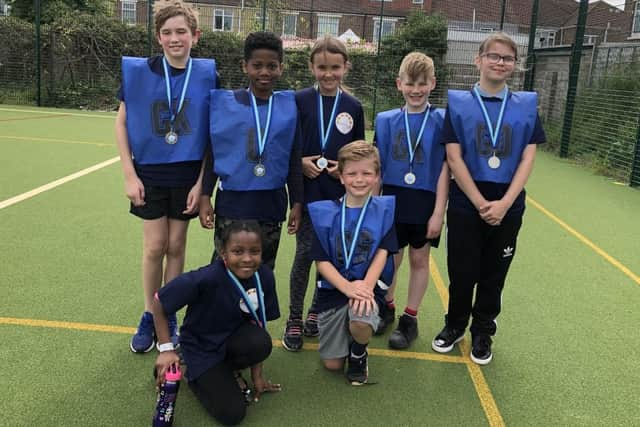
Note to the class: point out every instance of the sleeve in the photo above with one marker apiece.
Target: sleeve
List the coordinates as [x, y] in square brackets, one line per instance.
[182, 291]
[448, 134]
[209, 177]
[317, 252]
[294, 179]
[390, 241]
[539, 136]
[270, 295]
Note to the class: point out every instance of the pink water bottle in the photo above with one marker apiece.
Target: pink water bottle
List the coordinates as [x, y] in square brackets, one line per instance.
[166, 403]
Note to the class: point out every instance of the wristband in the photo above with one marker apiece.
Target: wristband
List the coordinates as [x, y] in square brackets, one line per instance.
[168, 346]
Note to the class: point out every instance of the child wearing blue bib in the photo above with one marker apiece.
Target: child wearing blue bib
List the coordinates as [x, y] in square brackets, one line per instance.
[161, 133]
[352, 243]
[330, 117]
[415, 172]
[491, 135]
[255, 151]
[229, 303]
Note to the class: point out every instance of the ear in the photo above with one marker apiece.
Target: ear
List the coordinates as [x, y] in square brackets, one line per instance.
[433, 84]
[196, 37]
[477, 60]
[399, 84]
[244, 66]
[341, 180]
[311, 67]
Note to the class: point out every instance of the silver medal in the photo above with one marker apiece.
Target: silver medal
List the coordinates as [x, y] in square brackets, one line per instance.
[494, 162]
[171, 137]
[259, 170]
[410, 178]
[322, 163]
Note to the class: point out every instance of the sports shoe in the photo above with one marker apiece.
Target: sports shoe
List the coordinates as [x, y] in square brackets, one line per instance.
[173, 331]
[311, 325]
[292, 339]
[405, 333]
[446, 339]
[387, 317]
[481, 349]
[358, 369]
[144, 338]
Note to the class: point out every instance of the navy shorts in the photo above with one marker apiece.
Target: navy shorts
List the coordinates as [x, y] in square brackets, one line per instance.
[414, 235]
[163, 201]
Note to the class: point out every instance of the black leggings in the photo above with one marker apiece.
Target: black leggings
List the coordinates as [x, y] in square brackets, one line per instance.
[217, 389]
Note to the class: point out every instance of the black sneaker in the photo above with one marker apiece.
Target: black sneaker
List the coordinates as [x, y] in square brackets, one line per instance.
[481, 349]
[310, 328]
[292, 339]
[405, 333]
[358, 370]
[387, 317]
[446, 339]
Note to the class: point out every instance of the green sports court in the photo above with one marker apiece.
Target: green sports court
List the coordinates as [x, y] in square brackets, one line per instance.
[566, 352]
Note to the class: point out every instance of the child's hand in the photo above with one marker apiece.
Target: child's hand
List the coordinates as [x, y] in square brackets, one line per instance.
[309, 167]
[163, 364]
[493, 212]
[332, 169]
[295, 216]
[193, 199]
[359, 290]
[362, 307]
[434, 226]
[261, 385]
[206, 213]
[135, 191]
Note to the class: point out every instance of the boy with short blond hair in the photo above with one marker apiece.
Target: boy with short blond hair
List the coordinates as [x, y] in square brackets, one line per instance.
[415, 172]
[353, 238]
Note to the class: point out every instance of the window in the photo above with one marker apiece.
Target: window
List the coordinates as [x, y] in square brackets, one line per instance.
[418, 1]
[636, 19]
[259, 20]
[222, 20]
[388, 27]
[545, 38]
[4, 8]
[289, 24]
[328, 24]
[128, 11]
[589, 39]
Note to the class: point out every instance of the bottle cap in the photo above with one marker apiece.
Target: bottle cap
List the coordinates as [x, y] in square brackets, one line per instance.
[173, 373]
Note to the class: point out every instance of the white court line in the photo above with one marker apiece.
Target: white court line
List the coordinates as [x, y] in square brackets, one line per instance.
[109, 116]
[56, 183]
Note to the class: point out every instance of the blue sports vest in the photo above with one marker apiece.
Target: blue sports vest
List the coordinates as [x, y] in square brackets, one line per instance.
[468, 122]
[148, 114]
[234, 141]
[391, 141]
[378, 220]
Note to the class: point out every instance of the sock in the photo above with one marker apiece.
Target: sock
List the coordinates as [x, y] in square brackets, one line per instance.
[390, 304]
[358, 350]
[409, 312]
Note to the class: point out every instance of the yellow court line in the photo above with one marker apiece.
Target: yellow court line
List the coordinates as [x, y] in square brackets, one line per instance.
[586, 241]
[110, 116]
[63, 141]
[482, 388]
[277, 343]
[56, 183]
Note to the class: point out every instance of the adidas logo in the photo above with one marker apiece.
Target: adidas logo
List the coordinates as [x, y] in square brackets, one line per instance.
[507, 252]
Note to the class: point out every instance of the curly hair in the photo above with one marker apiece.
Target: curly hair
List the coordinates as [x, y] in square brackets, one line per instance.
[263, 40]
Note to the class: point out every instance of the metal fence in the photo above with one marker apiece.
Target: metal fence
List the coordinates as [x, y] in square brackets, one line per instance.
[583, 60]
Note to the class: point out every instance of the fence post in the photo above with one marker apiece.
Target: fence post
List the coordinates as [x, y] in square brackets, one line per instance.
[149, 26]
[634, 178]
[530, 66]
[504, 3]
[264, 15]
[574, 71]
[375, 85]
[38, 59]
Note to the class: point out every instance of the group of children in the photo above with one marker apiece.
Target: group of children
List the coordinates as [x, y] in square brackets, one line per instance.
[353, 205]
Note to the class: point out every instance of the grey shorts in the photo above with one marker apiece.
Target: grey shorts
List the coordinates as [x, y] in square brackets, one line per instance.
[335, 338]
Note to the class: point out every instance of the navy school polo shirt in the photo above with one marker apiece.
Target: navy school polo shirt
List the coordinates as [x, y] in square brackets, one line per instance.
[213, 311]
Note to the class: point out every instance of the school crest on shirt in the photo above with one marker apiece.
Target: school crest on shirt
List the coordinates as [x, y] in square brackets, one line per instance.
[484, 145]
[344, 123]
[253, 299]
[161, 118]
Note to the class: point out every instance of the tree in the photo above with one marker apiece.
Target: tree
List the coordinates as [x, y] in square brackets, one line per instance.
[51, 10]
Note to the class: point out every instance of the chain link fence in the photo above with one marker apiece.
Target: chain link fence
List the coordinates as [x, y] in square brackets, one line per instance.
[583, 60]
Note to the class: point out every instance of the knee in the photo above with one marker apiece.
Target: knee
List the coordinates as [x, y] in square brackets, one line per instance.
[260, 346]
[155, 249]
[419, 260]
[357, 327]
[333, 364]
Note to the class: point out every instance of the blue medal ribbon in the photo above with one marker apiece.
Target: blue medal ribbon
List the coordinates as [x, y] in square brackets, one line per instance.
[354, 237]
[167, 82]
[493, 133]
[262, 139]
[412, 148]
[262, 319]
[324, 134]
